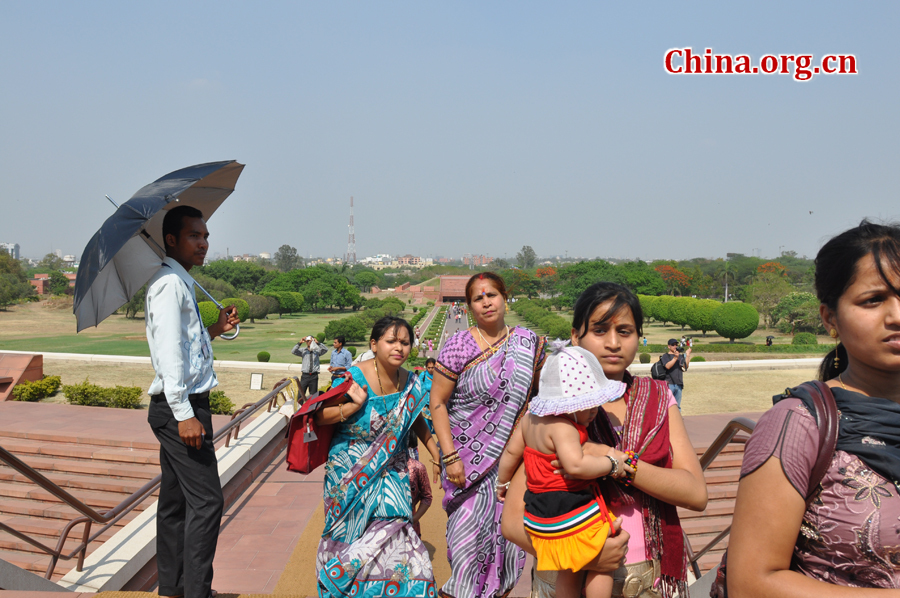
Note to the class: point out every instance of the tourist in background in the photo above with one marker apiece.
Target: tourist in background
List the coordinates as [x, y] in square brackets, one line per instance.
[845, 540]
[486, 375]
[341, 360]
[369, 547]
[676, 362]
[309, 366]
[427, 378]
[607, 321]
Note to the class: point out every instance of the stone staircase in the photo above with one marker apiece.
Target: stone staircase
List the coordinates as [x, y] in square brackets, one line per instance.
[722, 480]
[99, 472]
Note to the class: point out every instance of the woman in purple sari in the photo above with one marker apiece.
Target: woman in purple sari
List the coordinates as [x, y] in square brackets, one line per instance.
[487, 374]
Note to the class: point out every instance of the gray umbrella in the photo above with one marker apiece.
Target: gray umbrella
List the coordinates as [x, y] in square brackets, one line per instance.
[128, 249]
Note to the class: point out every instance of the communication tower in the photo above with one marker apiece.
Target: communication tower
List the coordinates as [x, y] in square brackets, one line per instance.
[351, 239]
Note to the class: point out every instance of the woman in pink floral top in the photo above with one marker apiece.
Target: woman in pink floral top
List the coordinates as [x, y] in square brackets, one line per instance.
[847, 543]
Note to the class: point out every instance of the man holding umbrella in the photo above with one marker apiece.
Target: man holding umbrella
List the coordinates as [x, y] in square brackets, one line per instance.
[190, 496]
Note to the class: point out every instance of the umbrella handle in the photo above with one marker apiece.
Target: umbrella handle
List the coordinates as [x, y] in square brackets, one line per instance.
[237, 329]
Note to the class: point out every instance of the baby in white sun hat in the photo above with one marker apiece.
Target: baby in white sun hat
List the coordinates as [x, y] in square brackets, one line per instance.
[566, 517]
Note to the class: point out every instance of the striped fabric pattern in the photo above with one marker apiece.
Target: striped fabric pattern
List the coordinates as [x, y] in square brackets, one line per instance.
[568, 524]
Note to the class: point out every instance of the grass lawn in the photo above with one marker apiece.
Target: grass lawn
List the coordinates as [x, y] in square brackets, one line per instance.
[37, 327]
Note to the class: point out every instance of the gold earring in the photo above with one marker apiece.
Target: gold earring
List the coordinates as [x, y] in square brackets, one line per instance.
[837, 359]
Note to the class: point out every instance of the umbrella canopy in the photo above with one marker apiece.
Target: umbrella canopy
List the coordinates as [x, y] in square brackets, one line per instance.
[129, 248]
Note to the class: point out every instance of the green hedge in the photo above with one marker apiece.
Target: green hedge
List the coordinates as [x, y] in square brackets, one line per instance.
[209, 313]
[263, 356]
[37, 389]
[740, 348]
[805, 338]
[92, 395]
[735, 320]
[219, 404]
[243, 308]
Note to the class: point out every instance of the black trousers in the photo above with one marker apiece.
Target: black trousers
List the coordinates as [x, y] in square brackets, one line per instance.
[190, 503]
[309, 383]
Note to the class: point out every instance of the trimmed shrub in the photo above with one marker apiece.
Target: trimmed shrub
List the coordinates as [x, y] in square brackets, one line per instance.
[429, 303]
[644, 358]
[92, 395]
[352, 328]
[736, 320]
[124, 397]
[243, 308]
[35, 390]
[698, 358]
[804, 338]
[414, 352]
[209, 313]
[263, 356]
[702, 313]
[320, 337]
[219, 404]
[260, 307]
[352, 351]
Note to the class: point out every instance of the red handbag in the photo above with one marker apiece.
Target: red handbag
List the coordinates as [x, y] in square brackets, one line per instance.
[309, 443]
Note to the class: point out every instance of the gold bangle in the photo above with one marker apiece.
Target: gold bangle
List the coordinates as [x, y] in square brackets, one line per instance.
[341, 409]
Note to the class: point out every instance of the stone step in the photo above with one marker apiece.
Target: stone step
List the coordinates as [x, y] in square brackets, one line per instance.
[705, 525]
[99, 501]
[727, 461]
[714, 508]
[722, 491]
[72, 483]
[47, 528]
[730, 448]
[85, 440]
[47, 465]
[26, 560]
[715, 477]
[23, 447]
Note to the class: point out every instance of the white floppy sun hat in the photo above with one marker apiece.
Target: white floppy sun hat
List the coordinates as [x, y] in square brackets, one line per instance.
[572, 380]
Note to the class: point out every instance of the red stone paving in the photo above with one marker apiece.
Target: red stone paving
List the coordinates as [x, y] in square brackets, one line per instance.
[260, 531]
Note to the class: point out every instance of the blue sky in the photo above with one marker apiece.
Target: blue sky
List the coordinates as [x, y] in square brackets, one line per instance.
[465, 127]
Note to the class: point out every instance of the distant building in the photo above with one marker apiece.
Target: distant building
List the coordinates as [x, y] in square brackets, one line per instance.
[453, 288]
[245, 258]
[265, 255]
[10, 248]
[477, 260]
[409, 260]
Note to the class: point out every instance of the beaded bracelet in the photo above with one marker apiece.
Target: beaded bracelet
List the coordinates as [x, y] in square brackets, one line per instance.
[631, 461]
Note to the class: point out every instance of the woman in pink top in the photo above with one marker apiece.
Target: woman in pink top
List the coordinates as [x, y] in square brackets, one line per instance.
[847, 543]
[607, 322]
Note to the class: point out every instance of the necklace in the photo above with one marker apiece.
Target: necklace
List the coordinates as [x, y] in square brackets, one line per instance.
[489, 346]
[841, 380]
[381, 388]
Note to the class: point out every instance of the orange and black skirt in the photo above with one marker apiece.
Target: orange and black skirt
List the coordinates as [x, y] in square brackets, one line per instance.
[567, 529]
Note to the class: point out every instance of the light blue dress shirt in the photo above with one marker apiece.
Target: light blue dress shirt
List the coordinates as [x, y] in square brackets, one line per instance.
[180, 346]
[341, 359]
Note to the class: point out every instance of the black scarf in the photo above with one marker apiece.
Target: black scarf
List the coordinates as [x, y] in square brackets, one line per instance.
[869, 427]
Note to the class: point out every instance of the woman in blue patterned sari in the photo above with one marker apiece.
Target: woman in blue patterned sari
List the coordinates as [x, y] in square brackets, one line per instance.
[368, 547]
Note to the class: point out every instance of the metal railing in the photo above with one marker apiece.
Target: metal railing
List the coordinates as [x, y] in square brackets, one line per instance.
[88, 515]
[726, 436]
